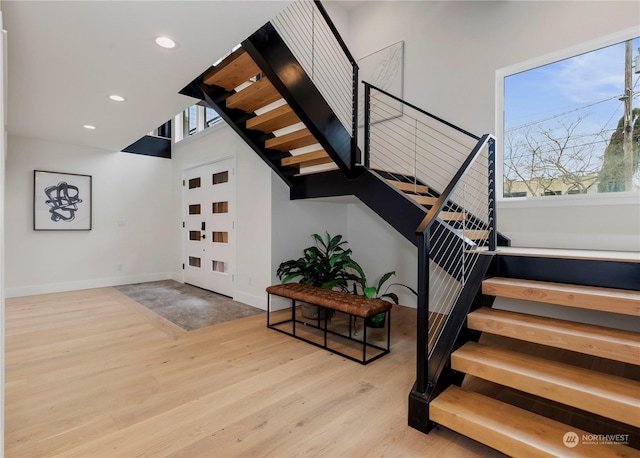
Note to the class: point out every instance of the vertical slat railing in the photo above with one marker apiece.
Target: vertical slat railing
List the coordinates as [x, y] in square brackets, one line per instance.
[308, 31]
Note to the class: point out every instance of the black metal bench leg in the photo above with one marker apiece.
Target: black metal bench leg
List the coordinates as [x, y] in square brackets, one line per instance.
[293, 315]
[388, 312]
[364, 341]
[268, 309]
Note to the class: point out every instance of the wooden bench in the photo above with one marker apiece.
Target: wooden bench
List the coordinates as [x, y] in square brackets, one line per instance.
[323, 328]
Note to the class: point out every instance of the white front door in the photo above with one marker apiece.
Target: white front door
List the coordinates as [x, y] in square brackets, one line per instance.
[209, 232]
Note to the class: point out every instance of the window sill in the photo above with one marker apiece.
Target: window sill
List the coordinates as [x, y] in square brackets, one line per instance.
[578, 200]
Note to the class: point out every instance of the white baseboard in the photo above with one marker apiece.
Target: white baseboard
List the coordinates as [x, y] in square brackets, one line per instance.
[251, 299]
[84, 284]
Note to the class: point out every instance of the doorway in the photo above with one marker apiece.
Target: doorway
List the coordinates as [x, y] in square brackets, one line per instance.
[209, 253]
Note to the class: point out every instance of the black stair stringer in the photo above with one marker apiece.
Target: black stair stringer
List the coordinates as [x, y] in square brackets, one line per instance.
[392, 205]
[216, 98]
[279, 65]
[588, 272]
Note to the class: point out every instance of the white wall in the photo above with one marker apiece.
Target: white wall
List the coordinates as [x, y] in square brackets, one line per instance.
[127, 188]
[293, 222]
[379, 249]
[452, 53]
[3, 151]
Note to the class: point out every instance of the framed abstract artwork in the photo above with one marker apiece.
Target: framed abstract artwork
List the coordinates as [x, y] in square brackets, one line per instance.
[61, 201]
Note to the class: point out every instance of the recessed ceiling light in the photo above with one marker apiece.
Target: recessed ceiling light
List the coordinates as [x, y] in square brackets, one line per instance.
[89, 126]
[165, 42]
[117, 98]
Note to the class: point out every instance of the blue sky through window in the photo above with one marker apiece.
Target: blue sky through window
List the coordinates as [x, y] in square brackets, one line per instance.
[584, 89]
[588, 84]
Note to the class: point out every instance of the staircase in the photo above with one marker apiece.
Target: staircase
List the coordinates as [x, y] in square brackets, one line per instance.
[278, 100]
[586, 374]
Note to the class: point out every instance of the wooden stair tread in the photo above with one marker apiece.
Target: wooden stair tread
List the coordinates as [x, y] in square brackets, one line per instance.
[512, 430]
[307, 160]
[614, 344]
[475, 234]
[294, 140]
[588, 297]
[275, 119]
[258, 95]
[424, 200]
[603, 394]
[233, 71]
[409, 187]
[452, 216]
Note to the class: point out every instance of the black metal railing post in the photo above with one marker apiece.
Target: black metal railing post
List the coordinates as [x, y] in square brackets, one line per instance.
[354, 119]
[422, 331]
[493, 233]
[367, 125]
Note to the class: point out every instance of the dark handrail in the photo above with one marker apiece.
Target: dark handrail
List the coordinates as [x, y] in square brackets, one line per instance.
[335, 32]
[420, 110]
[453, 184]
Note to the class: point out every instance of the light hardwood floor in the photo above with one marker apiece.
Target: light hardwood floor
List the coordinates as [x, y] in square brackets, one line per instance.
[93, 374]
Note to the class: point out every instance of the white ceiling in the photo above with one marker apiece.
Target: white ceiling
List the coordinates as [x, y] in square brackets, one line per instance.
[67, 57]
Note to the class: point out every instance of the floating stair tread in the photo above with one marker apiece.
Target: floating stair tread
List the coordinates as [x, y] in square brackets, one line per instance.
[476, 234]
[409, 187]
[587, 297]
[452, 216]
[253, 97]
[307, 160]
[603, 394]
[600, 341]
[424, 200]
[275, 119]
[512, 430]
[294, 140]
[236, 69]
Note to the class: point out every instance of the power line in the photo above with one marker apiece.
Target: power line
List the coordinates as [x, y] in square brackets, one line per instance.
[562, 114]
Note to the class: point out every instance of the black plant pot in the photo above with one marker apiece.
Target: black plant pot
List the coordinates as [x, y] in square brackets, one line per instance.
[376, 321]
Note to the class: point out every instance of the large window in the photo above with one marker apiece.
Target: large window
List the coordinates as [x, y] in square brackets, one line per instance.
[572, 126]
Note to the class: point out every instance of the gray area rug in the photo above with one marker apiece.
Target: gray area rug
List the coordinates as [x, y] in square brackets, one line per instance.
[187, 306]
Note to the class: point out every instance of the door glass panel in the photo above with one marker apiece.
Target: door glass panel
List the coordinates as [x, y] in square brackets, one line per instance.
[194, 209]
[220, 237]
[194, 183]
[194, 235]
[222, 177]
[194, 262]
[219, 266]
[221, 207]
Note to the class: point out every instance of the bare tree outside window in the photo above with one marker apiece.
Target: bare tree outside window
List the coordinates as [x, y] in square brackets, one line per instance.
[570, 126]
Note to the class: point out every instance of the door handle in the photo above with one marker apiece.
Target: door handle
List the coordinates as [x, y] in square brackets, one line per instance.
[204, 236]
[203, 226]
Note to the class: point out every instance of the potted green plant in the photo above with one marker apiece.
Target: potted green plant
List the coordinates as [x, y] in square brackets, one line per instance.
[360, 286]
[323, 264]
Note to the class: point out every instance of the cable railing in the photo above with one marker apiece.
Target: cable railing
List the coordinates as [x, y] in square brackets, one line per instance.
[458, 168]
[313, 39]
